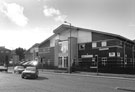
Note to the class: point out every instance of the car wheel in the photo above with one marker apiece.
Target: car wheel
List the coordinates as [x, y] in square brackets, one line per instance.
[22, 77]
[35, 77]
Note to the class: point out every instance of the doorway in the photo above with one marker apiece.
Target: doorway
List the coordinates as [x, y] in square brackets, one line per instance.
[63, 62]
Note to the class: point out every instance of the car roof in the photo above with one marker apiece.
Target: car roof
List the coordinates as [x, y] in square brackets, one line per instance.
[19, 66]
[30, 67]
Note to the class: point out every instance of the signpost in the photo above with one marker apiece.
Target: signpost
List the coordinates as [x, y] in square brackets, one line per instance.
[96, 56]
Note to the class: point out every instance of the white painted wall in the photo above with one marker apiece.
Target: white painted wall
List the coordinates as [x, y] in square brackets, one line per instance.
[84, 36]
[53, 39]
[64, 35]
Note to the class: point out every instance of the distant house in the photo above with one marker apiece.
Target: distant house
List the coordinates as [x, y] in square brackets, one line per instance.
[83, 47]
[32, 53]
[5, 55]
[46, 53]
[14, 58]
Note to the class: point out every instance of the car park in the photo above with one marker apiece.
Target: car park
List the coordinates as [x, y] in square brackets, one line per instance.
[18, 69]
[3, 68]
[30, 72]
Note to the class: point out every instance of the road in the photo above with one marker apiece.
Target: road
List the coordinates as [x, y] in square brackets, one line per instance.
[57, 82]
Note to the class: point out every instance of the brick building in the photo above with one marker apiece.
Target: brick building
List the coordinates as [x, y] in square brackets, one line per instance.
[32, 53]
[73, 45]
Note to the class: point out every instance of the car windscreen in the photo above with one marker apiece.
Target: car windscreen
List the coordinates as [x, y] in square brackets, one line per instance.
[20, 67]
[31, 69]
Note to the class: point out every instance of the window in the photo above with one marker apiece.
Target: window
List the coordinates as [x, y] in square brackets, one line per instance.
[36, 53]
[60, 61]
[94, 44]
[104, 60]
[7, 51]
[111, 54]
[94, 62]
[118, 54]
[45, 50]
[104, 43]
[82, 47]
[65, 61]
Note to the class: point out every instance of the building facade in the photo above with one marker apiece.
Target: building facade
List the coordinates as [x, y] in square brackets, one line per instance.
[83, 48]
[32, 53]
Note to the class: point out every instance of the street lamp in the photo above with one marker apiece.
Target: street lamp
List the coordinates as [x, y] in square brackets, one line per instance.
[69, 65]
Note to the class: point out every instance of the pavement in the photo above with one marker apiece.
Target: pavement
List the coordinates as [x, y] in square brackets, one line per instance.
[82, 73]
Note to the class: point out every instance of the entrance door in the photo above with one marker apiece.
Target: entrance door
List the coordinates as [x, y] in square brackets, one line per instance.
[63, 62]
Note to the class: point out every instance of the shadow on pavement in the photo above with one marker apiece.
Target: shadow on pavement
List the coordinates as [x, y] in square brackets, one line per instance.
[42, 78]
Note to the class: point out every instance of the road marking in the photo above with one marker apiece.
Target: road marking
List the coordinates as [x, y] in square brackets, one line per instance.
[125, 89]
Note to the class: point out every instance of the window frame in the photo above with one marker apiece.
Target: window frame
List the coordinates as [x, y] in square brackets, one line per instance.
[94, 44]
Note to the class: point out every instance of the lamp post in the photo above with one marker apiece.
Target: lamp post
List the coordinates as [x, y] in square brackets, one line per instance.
[69, 65]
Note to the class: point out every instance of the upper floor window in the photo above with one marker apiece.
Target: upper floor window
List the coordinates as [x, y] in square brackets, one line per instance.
[7, 51]
[104, 43]
[44, 50]
[94, 44]
[111, 54]
[82, 47]
[118, 54]
[2, 51]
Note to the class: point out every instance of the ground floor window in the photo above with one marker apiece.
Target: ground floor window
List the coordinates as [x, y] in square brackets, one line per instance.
[63, 62]
[104, 60]
[60, 61]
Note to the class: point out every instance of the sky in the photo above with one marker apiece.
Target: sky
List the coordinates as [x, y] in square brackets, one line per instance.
[26, 22]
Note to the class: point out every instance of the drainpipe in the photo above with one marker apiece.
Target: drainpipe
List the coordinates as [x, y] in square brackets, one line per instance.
[124, 54]
[133, 55]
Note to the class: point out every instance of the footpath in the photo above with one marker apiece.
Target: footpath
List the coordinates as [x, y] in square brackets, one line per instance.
[82, 73]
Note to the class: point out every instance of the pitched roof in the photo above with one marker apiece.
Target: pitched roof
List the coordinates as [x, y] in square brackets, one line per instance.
[3, 48]
[63, 27]
[46, 40]
[35, 45]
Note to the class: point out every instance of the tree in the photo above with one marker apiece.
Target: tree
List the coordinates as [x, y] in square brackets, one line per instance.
[20, 52]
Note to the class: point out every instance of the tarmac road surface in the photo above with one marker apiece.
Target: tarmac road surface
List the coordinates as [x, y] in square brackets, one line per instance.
[57, 82]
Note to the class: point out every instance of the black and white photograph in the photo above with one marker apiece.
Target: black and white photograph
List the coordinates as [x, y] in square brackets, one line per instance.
[67, 45]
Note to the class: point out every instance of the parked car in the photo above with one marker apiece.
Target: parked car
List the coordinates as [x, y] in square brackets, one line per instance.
[18, 69]
[3, 68]
[30, 72]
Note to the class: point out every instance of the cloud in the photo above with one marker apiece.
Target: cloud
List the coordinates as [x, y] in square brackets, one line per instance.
[52, 12]
[15, 13]
[60, 18]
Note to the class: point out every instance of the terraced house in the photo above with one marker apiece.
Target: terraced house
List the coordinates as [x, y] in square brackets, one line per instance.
[82, 48]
